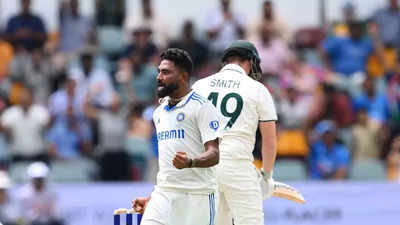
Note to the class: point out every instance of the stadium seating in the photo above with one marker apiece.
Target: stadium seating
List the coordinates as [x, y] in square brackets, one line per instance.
[289, 169]
[17, 172]
[77, 170]
[370, 169]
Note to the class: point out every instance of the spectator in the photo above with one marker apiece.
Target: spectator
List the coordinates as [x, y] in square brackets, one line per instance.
[26, 30]
[114, 161]
[149, 19]
[8, 209]
[65, 96]
[36, 71]
[64, 138]
[188, 42]
[90, 78]
[75, 28]
[138, 141]
[375, 102]
[341, 28]
[268, 15]
[366, 140]
[388, 22]
[68, 119]
[274, 51]
[304, 77]
[24, 125]
[137, 79]
[223, 27]
[347, 56]
[141, 43]
[328, 159]
[332, 104]
[292, 110]
[38, 202]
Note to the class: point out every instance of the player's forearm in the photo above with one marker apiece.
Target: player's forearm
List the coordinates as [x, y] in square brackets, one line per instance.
[269, 145]
[209, 158]
[269, 153]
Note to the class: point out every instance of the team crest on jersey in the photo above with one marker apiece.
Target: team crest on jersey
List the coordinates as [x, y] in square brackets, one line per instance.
[180, 116]
[214, 125]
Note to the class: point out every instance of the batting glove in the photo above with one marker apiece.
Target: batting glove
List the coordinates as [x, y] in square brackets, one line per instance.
[267, 184]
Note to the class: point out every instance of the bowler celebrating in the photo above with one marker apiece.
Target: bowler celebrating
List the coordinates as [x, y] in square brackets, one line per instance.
[187, 131]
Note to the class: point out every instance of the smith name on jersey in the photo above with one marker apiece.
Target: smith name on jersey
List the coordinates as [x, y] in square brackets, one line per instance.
[185, 127]
[243, 103]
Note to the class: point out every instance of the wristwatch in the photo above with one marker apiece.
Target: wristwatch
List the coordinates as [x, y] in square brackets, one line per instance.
[190, 163]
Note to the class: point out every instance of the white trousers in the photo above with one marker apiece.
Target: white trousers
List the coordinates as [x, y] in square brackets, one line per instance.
[177, 208]
[239, 194]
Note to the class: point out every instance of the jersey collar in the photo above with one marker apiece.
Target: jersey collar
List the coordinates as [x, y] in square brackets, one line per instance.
[233, 67]
[183, 102]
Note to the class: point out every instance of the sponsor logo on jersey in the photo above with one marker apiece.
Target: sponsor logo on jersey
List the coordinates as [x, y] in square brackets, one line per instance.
[214, 125]
[171, 134]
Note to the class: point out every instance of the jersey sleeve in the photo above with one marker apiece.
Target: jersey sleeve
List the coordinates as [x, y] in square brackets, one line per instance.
[265, 106]
[208, 123]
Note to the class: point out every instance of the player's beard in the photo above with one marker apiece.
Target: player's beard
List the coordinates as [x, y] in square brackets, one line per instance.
[166, 89]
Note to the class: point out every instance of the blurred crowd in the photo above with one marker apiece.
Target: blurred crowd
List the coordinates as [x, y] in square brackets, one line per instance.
[87, 91]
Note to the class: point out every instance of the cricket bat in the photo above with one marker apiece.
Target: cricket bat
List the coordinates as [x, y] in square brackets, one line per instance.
[282, 190]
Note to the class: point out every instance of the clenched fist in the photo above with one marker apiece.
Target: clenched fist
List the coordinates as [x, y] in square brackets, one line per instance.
[139, 204]
[181, 160]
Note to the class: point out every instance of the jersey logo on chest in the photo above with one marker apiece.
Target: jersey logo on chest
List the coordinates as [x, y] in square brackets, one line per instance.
[180, 117]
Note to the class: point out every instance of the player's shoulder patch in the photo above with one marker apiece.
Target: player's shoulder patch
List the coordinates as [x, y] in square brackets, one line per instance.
[214, 125]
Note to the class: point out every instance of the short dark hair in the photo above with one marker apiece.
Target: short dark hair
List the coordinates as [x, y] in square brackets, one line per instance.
[180, 57]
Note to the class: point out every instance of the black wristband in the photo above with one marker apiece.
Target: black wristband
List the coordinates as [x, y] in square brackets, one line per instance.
[190, 163]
